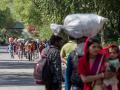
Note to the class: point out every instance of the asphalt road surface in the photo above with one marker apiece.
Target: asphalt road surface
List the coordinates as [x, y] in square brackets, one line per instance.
[16, 74]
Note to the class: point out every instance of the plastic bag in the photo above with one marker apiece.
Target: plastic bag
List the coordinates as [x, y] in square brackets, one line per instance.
[78, 25]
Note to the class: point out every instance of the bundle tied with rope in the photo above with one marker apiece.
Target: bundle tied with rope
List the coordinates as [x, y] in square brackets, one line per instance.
[79, 25]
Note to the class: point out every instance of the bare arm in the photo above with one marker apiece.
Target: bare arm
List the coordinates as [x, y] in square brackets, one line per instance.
[63, 60]
[91, 78]
[63, 57]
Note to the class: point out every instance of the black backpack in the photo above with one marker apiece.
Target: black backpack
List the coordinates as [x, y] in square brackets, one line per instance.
[75, 78]
[46, 71]
[42, 67]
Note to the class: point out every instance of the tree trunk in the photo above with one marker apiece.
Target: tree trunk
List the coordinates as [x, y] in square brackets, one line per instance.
[102, 37]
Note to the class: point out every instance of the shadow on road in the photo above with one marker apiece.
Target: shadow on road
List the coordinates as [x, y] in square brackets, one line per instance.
[16, 65]
[16, 79]
[16, 73]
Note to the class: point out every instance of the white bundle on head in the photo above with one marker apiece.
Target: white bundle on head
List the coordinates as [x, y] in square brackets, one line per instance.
[78, 25]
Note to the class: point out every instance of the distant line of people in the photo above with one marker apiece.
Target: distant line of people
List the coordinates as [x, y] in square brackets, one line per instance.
[30, 49]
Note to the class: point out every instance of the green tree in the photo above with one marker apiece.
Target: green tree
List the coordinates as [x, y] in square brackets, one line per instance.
[41, 13]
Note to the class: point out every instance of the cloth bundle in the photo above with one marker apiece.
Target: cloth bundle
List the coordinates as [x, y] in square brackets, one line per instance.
[79, 25]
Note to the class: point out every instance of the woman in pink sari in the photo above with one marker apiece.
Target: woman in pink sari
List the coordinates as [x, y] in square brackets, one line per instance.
[91, 66]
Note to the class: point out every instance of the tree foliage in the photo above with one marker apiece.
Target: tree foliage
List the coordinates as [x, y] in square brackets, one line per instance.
[41, 13]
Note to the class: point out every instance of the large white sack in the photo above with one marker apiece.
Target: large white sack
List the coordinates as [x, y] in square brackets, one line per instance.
[78, 25]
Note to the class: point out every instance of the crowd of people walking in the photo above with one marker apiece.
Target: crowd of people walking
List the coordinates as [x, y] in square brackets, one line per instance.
[82, 62]
[30, 49]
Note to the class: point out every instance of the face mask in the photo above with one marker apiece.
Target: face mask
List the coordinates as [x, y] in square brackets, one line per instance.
[80, 49]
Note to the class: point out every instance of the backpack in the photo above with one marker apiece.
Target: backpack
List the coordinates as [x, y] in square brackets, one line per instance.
[46, 68]
[75, 78]
[38, 69]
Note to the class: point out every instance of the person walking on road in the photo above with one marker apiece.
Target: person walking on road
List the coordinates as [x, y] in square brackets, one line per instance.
[91, 66]
[65, 51]
[11, 50]
[53, 55]
[72, 80]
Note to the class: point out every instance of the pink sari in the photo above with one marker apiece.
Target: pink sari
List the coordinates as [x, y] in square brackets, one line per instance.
[84, 67]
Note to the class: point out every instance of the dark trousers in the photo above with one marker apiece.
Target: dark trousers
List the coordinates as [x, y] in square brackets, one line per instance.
[53, 86]
[30, 56]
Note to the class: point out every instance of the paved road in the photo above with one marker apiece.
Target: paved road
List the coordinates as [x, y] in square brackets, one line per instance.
[16, 74]
[3, 49]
